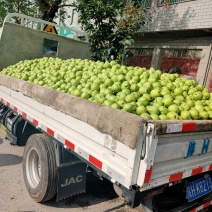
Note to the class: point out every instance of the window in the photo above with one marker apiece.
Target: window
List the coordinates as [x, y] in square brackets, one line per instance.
[143, 51]
[141, 57]
[145, 3]
[181, 53]
[186, 59]
[161, 2]
[50, 48]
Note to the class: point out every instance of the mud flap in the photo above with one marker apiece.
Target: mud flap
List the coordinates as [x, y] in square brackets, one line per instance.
[71, 174]
[72, 180]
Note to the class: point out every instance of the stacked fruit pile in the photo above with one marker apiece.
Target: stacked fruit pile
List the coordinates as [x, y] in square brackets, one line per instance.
[148, 93]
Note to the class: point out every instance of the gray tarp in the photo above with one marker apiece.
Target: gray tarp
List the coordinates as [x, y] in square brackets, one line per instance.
[122, 126]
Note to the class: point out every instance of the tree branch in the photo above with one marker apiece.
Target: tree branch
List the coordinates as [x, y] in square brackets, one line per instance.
[66, 5]
[54, 8]
[48, 11]
[42, 4]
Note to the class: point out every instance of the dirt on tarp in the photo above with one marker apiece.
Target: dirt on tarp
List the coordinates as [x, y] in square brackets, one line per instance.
[122, 126]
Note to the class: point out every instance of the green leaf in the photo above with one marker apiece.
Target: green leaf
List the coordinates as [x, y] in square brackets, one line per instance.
[110, 26]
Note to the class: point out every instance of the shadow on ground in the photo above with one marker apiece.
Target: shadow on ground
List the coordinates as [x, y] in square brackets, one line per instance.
[9, 159]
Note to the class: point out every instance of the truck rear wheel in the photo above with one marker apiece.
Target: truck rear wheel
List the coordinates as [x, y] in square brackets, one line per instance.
[39, 168]
[117, 190]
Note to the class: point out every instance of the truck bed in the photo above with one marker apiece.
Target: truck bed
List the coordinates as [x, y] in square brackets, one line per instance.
[112, 140]
[122, 126]
[93, 145]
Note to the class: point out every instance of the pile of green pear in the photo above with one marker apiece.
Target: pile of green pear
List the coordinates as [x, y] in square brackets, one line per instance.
[147, 93]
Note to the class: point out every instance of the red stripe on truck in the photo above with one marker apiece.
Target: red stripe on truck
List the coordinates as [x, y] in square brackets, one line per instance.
[190, 126]
[24, 114]
[148, 175]
[197, 171]
[176, 177]
[50, 132]
[8, 104]
[69, 145]
[35, 122]
[15, 109]
[207, 204]
[210, 168]
[95, 162]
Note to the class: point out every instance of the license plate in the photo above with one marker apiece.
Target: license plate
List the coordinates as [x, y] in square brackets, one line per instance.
[3, 129]
[198, 188]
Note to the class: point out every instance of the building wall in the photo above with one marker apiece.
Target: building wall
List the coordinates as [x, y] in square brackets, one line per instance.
[194, 14]
[20, 43]
[71, 18]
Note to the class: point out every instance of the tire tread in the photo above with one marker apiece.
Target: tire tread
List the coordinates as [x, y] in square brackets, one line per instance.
[48, 189]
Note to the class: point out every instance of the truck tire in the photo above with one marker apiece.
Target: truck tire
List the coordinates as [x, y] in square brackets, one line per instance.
[169, 200]
[39, 168]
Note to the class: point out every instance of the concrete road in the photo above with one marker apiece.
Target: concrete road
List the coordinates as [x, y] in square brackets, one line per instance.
[100, 196]
[15, 198]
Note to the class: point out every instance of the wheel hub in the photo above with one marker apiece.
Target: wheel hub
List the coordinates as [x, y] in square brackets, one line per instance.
[33, 167]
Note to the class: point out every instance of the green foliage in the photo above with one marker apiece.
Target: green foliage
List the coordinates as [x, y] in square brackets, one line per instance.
[26, 7]
[36, 8]
[63, 12]
[110, 26]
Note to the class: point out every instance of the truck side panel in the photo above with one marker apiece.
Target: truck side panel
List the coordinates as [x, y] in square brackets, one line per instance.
[118, 167]
[179, 156]
[77, 125]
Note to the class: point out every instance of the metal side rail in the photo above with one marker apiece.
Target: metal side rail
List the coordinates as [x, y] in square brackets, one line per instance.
[39, 24]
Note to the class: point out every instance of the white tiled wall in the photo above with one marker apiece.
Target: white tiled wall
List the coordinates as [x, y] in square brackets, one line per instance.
[194, 14]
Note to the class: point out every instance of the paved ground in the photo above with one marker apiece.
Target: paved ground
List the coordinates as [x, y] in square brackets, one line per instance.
[14, 196]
